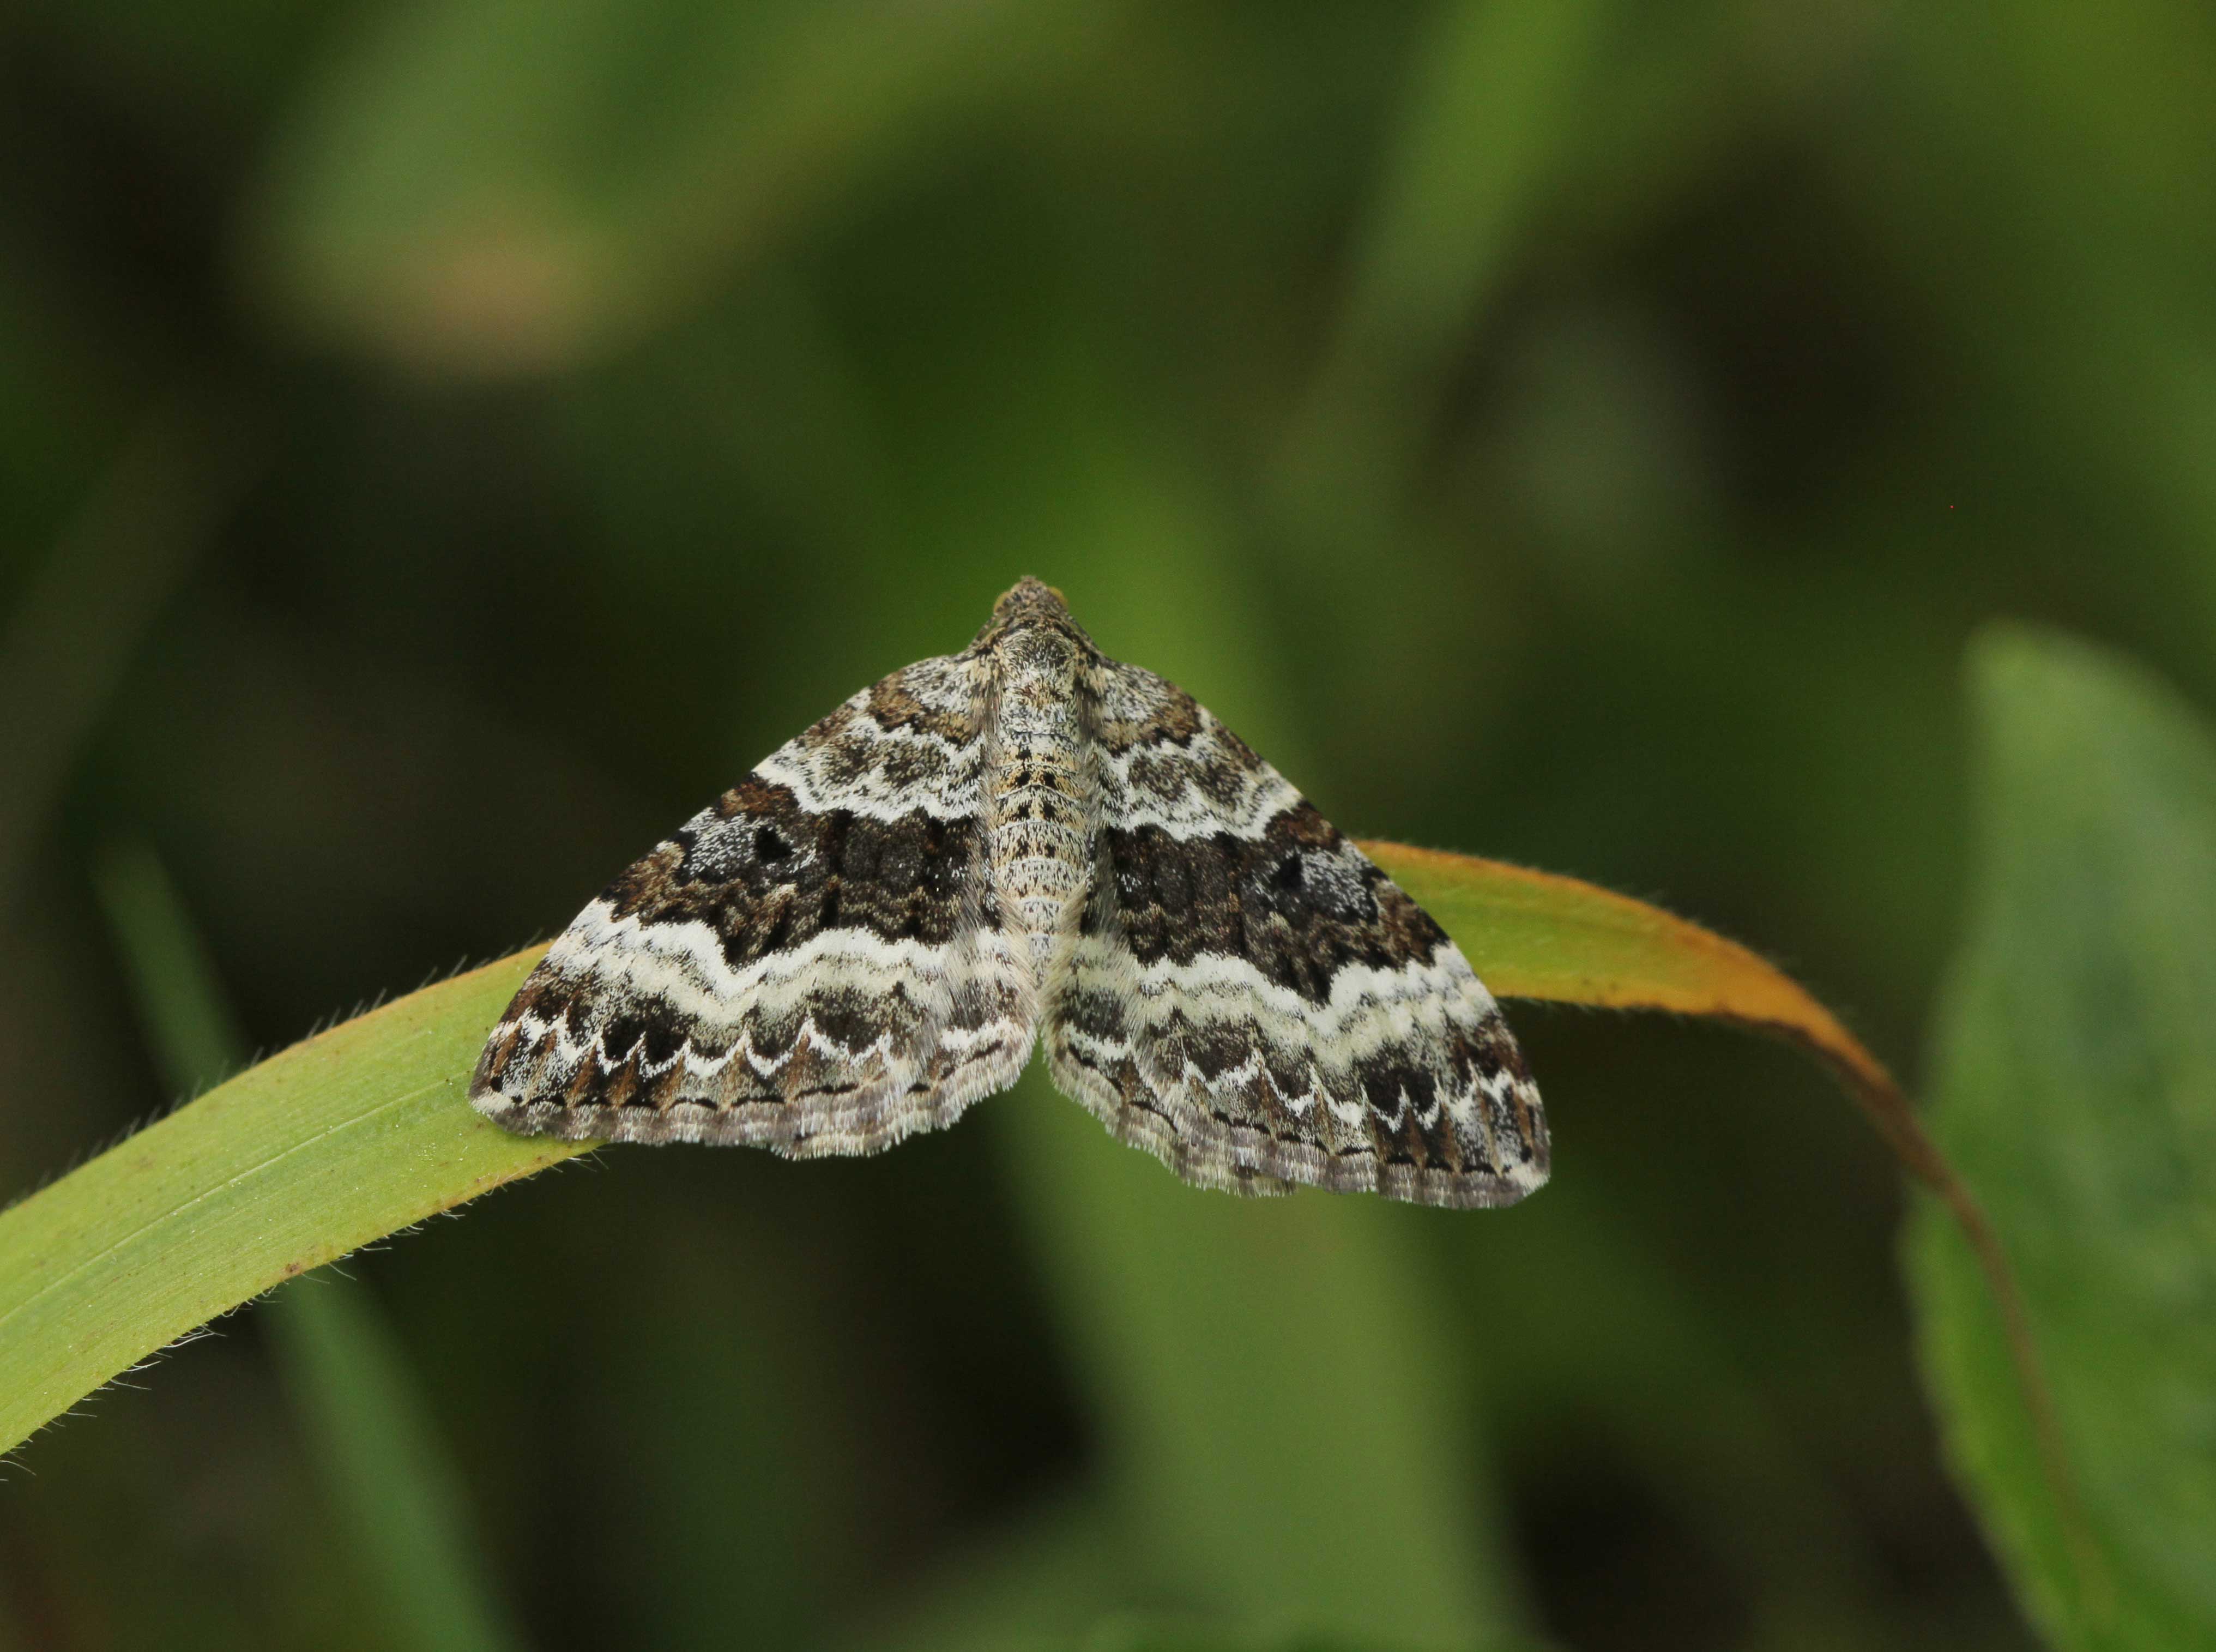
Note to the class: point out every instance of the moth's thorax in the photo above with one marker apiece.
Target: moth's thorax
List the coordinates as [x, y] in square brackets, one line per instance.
[1037, 794]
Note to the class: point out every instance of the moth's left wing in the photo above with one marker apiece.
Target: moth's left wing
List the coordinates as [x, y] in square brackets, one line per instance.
[1252, 1000]
[809, 964]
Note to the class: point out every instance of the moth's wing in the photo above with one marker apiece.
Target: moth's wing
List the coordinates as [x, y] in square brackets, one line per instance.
[1253, 1002]
[810, 964]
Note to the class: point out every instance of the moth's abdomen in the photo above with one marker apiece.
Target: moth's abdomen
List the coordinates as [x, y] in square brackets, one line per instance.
[1038, 803]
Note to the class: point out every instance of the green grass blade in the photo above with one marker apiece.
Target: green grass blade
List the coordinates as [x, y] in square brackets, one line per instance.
[312, 1154]
[389, 1477]
[195, 1039]
[2076, 1089]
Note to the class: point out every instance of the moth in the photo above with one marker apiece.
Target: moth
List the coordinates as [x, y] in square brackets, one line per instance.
[1025, 843]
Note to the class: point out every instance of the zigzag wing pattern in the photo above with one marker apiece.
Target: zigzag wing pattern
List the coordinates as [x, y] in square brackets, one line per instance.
[813, 964]
[1252, 1000]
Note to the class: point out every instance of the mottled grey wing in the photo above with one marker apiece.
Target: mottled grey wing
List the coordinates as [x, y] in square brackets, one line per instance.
[1255, 1002]
[809, 964]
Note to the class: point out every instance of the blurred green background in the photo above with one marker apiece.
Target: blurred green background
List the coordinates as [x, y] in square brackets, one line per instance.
[442, 445]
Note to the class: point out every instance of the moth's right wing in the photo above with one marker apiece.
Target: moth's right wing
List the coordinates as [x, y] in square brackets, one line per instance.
[810, 964]
[1255, 1002]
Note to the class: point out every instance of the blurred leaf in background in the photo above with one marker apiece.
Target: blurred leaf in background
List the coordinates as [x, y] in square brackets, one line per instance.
[490, 187]
[2078, 1085]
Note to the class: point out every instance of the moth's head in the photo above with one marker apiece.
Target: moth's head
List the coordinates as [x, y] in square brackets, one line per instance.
[1029, 604]
[1031, 600]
